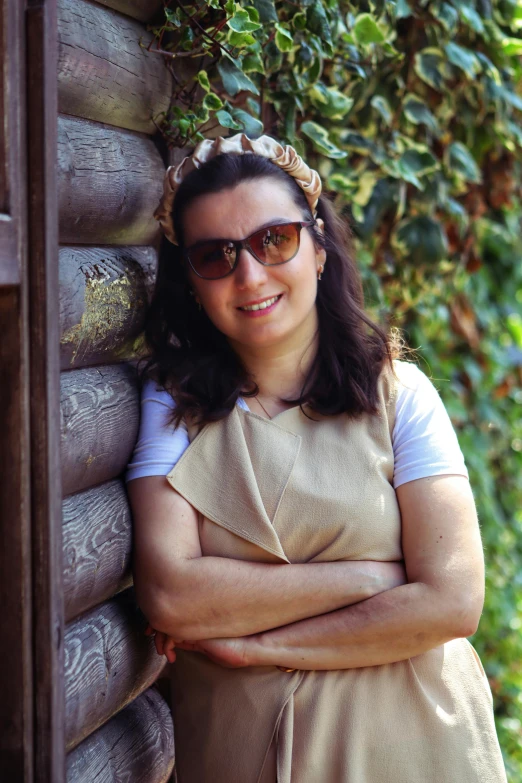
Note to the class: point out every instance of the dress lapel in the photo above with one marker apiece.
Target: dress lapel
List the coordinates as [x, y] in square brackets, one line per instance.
[235, 472]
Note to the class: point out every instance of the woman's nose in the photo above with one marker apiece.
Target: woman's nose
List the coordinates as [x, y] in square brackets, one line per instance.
[249, 272]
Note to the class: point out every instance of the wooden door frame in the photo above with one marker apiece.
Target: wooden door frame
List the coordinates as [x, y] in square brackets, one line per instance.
[31, 596]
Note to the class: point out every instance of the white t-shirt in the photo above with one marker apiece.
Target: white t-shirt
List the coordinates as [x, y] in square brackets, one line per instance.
[424, 441]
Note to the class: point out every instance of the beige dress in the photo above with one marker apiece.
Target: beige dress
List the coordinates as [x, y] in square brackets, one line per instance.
[295, 490]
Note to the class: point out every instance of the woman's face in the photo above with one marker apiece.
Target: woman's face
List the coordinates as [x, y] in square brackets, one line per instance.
[237, 213]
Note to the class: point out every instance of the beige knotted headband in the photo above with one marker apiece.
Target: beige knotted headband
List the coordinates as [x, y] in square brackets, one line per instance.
[285, 157]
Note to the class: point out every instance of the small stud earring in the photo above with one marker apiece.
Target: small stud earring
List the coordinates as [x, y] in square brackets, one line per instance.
[320, 271]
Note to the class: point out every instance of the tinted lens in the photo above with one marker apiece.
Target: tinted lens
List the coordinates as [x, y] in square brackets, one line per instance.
[276, 244]
[213, 259]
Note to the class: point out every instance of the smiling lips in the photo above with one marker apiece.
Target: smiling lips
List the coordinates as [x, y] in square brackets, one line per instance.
[260, 305]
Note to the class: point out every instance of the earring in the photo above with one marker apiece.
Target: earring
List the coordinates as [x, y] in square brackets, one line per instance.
[320, 271]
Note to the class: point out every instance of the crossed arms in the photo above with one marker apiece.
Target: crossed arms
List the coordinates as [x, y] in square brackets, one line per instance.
[311, 616]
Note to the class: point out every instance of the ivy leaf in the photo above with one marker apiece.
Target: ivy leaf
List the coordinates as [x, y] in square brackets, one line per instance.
[233, 78]
[464, 59]
[512, 46]
[283, 39]
[241, 22]
[319, 137]
[367, 31]
[381, 105]
[212, 101]
[402, 9]
[447, 16]
[431, 67]
[299, 21]
[226, 120]
[461, 162]
[266, 9]
[414, 164]
[422, 239]
[318, 23]
[250, 125]
[366, 183]
[332, 103]
[253, 63]
[417, 112]
[203, 79]
[472, 18]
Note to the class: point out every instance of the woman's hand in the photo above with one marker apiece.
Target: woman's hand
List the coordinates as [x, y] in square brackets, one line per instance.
[230, 653]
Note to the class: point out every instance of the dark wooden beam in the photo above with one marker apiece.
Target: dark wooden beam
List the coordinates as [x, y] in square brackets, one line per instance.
[105, 72]
[110, 182]
[104, 295]
[100, 416]
[48, 614]
[144, 10]
[97, 539]
[108, 662]
[136, 745]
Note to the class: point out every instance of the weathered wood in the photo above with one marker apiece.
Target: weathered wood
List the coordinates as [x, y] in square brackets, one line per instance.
[104, 294]
[144, 10]
[110, 182]
[16, 671]
[97, 539]
[46, 522]
[16, 679]
[104, 73]
[136, 745]
[108, 662]
[99, 424]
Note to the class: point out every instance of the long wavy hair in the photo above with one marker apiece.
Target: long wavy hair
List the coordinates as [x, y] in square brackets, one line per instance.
[194, 361]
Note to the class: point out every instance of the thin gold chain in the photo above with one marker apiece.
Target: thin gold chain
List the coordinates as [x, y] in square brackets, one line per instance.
[265, 410]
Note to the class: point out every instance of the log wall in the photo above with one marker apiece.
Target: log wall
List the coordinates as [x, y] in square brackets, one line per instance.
[110, 175]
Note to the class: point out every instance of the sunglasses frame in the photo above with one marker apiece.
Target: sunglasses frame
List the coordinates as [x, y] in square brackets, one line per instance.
[239, 244]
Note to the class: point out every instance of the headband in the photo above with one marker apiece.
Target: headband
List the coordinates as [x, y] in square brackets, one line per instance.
[285, 157]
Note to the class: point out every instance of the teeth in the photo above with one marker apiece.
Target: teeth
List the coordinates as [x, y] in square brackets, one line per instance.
[261, 305]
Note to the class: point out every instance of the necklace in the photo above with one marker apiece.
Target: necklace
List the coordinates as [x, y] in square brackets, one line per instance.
[265, 410]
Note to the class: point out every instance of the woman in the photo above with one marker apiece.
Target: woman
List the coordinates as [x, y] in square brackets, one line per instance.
[312, 560]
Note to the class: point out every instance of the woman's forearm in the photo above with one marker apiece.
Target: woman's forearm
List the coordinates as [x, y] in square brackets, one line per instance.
[210, 597]
[392, 626]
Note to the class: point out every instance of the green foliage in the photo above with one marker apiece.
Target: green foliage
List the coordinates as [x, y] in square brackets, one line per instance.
[410, 111]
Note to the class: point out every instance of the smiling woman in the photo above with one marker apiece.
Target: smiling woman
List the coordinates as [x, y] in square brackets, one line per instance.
[306, 543]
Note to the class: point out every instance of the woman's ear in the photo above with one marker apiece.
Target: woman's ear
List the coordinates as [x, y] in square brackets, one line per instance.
[320, 224]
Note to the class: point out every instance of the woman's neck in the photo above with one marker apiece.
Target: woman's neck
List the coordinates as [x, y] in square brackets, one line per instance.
[279, 370]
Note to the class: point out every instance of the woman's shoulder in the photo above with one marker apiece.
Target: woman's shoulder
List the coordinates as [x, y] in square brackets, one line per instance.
[153, 392]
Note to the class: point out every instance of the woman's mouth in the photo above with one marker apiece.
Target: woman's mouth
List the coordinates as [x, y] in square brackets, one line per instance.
[261, 308]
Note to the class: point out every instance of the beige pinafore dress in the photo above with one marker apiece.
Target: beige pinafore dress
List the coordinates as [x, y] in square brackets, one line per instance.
[293, 490]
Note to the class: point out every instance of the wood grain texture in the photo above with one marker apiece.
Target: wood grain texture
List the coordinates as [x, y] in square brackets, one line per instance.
[110, 182]
[97, 540]
[46, 522]
[108, 662]
[105, 72]
[144, 10]
[99, 424]
[104, 294]
[136, 745]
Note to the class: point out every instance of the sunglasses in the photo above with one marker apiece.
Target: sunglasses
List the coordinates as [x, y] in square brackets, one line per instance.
[270, 246]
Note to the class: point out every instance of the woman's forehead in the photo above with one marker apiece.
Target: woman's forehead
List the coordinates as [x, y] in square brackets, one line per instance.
[236, 212]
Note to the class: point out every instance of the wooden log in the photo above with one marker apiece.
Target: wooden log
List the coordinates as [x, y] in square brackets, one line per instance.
[108, 662]
[136, 745]
[104, 294]
[144, 10]
[97, 539]
[104, 73]
[99, 424]
[109, 183]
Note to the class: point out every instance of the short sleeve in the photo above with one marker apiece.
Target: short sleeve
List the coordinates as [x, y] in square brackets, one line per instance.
[160, 444]
[424, 441]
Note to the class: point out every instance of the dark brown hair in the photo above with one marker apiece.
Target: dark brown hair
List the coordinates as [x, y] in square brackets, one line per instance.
[195, 362]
